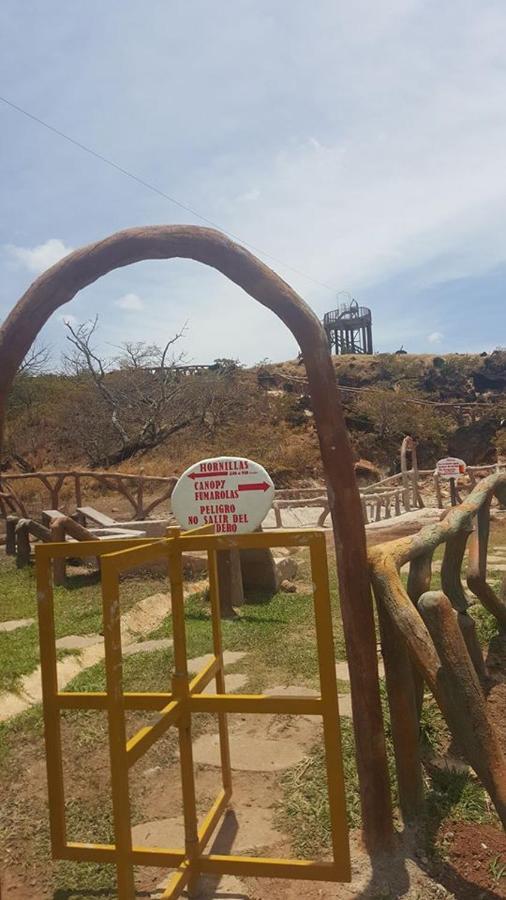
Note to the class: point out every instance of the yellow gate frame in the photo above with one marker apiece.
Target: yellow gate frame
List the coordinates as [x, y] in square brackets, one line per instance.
[176, 708]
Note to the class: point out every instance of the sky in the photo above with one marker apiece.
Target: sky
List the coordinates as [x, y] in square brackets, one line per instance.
[361, 146]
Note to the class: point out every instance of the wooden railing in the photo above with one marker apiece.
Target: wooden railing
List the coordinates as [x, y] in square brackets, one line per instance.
[384, 499]
[429, 638]
[134, 488]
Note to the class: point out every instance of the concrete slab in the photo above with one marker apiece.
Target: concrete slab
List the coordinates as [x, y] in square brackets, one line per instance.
[247, 829]
[159, 833]
[12, 705]
[343, 672]
[228, 888]
[260, 744]
[233, 684]
[147, 646]
[14, 624]
[345, 709]
[199, 662]
[78, 641]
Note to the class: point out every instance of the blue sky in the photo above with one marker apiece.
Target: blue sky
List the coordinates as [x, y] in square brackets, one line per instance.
[362, 144]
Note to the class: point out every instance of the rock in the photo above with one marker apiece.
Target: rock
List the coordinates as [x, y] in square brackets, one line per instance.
[286, 568]
[288, 587]
[13, 624]
[258, 571]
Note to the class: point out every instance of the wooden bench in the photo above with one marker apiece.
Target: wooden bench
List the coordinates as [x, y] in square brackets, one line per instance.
[49, 514]
[99, 518]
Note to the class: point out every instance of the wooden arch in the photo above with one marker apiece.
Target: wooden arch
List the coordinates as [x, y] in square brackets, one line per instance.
[61, 282]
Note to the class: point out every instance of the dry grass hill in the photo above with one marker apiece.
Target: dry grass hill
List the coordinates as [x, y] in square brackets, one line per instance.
[163, 418]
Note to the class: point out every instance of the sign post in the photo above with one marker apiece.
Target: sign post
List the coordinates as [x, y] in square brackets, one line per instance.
[450, 468]
[234, 495]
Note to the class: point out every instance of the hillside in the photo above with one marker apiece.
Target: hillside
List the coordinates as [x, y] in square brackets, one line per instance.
[164, 420]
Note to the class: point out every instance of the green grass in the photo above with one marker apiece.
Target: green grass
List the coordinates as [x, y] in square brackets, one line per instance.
[26, 729]
[78, 610]
[17, 588]
[486, 623]
[304, 812]
[85, 821]
[277, 635]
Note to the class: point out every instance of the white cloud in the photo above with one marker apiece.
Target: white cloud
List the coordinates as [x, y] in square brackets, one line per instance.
[380, 163]
[39, 258]
[130, 302]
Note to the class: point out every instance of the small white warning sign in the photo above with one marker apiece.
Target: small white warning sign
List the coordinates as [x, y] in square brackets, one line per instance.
[232, 493]
[450, 467]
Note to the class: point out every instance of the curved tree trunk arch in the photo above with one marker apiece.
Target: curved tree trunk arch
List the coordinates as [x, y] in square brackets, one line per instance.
[59, 284]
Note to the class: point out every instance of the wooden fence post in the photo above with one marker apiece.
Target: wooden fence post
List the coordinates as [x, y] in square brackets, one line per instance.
[57, 529]
[437, 488]
[140, 497]
[77, 489]
[10, 535]
[461, 695]
[22, 543]
[404, 718]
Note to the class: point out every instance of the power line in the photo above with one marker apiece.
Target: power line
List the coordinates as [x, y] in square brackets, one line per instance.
[156, 190]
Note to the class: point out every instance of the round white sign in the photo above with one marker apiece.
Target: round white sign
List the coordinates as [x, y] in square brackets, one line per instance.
[450, 467]
[229, 492]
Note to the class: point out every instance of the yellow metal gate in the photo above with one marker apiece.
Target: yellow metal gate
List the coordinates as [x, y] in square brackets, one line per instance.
[176, 708]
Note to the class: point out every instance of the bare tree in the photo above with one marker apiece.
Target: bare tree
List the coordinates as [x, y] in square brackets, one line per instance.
[141, 389]
[36, 361]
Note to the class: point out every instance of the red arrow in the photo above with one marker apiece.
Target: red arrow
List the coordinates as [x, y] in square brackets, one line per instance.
[206, 475]
[263, 486]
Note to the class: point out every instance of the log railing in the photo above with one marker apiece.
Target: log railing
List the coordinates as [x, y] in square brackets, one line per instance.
[384, 499]
[73, 484]
[429, 638]
[375, 507]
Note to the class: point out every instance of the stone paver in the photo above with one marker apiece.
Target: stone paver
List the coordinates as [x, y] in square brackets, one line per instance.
[260, 743]
[343, 672]
[249, 829]
[198, 663]
[233, 684]
[345, 709]
[228, 888]
[14, 624]
[78, 641]
[147, 646]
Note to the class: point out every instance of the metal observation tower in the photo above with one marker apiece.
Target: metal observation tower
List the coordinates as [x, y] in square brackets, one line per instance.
[349, 328]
